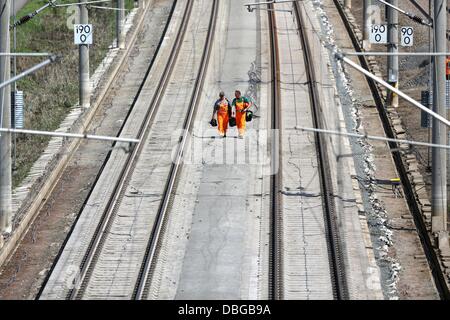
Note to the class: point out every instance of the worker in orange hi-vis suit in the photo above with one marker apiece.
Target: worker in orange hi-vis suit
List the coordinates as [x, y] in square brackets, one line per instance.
[239, 107]
[222, 108]
[448, 68]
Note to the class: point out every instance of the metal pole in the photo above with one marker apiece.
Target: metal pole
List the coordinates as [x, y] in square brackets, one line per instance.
[78, 3]
[70, 135]
[26, 54]
[5, 139]
[366, 24]
[430, 82]
[14, 44]
[15, 83]
[348, 4]
[439, 157]
[399, 54]
[120, 15]
[27, 72]
[84, 63]
[375, 138]
[357, 67]
[392, 16]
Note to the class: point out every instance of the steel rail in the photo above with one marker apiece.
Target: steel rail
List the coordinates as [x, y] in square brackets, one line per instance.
[98, 239]
[337, 266]
[145, 276]
[430, 253]
[275, 260]
[102, 97]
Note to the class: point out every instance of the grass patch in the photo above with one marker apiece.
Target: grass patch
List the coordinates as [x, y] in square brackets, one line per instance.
[51, 92]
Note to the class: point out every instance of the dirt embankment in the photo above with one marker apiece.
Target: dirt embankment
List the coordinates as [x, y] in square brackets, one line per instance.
[51, 92]
[414, 77]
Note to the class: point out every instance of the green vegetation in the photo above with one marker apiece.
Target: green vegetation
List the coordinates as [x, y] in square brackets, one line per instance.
[51, 92]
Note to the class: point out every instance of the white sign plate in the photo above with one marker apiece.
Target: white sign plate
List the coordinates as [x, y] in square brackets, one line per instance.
[82, 33]
[407, 39]
[378, 34]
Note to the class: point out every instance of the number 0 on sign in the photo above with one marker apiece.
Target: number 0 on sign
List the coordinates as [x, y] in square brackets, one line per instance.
[407, 36]
[82, 33]
[378, 34]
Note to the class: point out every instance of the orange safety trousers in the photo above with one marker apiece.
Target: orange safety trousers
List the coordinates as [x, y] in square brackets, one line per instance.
[222, 119]
[240, 122]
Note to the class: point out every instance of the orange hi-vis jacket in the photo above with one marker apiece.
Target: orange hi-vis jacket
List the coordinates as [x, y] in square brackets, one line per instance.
[222, 106]
[241, 103]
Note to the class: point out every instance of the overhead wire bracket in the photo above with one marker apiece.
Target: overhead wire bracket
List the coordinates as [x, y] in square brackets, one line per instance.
[409, 15]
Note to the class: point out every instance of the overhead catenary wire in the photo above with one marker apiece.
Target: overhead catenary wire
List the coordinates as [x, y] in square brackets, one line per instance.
[28, 71]
[421, 54]
[31, 15]
[370, 137]
[435, 115]
[51, 3]
[26, 54]
[70, 135]
[107, 8]
[253, 6]
[79, 3]
[269, 2]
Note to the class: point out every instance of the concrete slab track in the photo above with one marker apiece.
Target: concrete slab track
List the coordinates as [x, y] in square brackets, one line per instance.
[216, 240]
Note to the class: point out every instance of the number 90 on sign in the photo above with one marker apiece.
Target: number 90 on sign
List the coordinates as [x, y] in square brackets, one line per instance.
[82, 33]
[407, 39]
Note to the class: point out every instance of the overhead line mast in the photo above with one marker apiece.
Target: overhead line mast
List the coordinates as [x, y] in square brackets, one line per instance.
[439, 131]
[5, 122]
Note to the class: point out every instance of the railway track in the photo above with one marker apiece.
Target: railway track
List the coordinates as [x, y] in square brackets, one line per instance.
[144, 277]
[142, 286]
[122, 129]
[276, 276]
[100, 240]
[334, 246]
[432, 258]
[92, 264]
[336, 258]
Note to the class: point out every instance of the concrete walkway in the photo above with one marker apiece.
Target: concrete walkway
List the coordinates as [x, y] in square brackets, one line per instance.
[216, 243]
